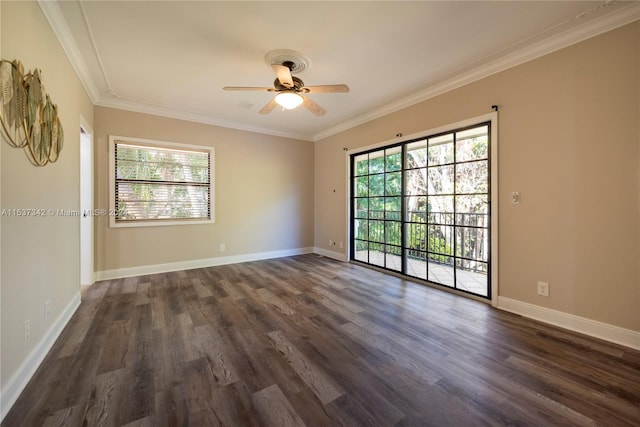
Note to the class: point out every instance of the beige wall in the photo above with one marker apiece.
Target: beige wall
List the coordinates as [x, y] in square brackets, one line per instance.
[263, 200]
[569, 142]
[40, 256]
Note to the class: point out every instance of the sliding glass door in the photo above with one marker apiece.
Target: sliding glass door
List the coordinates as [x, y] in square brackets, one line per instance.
[422, 208]
[378, 208]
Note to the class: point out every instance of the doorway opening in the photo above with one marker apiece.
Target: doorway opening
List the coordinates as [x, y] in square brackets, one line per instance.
[86, 206]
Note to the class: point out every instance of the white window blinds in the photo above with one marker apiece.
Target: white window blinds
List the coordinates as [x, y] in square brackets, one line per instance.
[154, 183]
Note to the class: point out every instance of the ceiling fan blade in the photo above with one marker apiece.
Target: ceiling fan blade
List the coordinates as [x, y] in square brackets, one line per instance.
[269, 107]
[284, 75]
[326, 89]
[312, 106]
[258, 89]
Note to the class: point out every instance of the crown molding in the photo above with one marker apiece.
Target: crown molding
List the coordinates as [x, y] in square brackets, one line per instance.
[156, 110]
[623, 16]
[56, 20]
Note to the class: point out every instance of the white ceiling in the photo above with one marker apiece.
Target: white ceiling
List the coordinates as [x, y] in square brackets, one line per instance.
[172, 58]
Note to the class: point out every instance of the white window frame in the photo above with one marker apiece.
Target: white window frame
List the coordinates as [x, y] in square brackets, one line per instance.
[157, 144]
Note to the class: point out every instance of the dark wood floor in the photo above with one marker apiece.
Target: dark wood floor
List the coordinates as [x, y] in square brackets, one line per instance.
[311, 341]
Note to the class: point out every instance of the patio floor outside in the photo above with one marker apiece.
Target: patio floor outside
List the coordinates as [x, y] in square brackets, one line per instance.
[442, 274]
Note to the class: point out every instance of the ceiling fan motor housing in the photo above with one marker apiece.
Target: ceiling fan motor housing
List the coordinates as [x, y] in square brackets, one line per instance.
[298, 85]
[294, 61]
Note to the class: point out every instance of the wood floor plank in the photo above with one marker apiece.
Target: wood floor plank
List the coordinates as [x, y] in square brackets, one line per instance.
[207, 311]
[571, 390]
[232, 315]
[71, 416]
[72, 337]
[352, 317]
[289, 286]
[275, 409]
[167, 363]
[428, 405]
[185, 334]
[262, 317]
[324, 387]
[284, 374]
[244, 287]
[233, 405]
[143, 293]
[142, 422]
[307, 340]
[349, 412]
[253, 364]
[266, 296]
[199, 386]
[96, 291]
[233, 290]
[397, 353]
[79, 378]
[137, 399]
[116, 347]
[219, 361]
[171, 406]
[158, 305]
[201, 289]
[381, 402]
[310, 410]
[338, 300]
[318, 276]
[102, 406]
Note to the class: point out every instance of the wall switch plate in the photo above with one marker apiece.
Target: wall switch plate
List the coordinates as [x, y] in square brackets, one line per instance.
[543, 289]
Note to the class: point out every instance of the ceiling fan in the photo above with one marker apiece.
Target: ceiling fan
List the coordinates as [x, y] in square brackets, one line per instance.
[290, 91]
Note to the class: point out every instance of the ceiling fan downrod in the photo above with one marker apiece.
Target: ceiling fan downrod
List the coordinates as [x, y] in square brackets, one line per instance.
[290, 65]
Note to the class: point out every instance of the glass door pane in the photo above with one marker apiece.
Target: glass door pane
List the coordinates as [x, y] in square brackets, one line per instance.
[422, 208]
[472, 210]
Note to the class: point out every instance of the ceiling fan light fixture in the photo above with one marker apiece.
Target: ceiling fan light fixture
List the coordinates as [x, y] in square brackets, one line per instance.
[288, 100]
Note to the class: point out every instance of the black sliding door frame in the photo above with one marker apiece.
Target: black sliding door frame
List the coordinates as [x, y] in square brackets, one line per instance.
[456, 243]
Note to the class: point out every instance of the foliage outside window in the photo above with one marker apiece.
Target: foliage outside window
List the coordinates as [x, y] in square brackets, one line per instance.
[421, 208]
[160, 183]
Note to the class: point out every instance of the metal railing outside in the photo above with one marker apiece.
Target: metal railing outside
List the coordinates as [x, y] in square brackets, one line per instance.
[431, 237]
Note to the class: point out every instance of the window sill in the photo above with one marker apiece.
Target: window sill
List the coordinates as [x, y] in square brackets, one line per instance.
[158, 223]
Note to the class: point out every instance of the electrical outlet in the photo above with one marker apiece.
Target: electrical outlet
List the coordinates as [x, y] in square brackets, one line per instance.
[330, 242]
[543, 289]
[27, 330]
[223, 247]
[341, 245]
[515, 198]
[47, 309]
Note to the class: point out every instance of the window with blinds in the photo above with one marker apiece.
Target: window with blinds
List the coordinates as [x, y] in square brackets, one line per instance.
[160, 183]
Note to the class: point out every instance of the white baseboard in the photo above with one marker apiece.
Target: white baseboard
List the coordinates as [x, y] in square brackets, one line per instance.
[330, 254]
[593, 328]
[198, 263]
[19, 380]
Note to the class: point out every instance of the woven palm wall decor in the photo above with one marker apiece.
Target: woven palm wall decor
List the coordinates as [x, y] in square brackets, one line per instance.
[29, 117]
